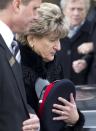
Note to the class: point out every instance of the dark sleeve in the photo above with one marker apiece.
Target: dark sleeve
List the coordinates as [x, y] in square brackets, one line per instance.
[29, 79]
[30, 109]
[80, 123]
[81, 120]
[88, 58]
[78, 126]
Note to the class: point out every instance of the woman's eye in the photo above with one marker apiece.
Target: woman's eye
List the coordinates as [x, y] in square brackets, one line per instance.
[52, 40]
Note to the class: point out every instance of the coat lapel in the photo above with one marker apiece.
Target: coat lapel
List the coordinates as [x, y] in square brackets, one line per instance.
[16, 68]
[83, 29]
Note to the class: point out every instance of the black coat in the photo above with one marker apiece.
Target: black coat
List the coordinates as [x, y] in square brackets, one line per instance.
[34, 67]
[69, 53]
[13, 104]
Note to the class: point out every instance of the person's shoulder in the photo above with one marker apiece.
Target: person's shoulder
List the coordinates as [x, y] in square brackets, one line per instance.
[92, 14]
[86, 27]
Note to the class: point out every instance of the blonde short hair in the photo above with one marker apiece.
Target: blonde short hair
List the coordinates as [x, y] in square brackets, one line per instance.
[51, 20]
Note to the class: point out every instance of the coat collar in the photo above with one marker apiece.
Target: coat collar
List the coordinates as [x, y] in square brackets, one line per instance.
[85, 28]
[32, 60]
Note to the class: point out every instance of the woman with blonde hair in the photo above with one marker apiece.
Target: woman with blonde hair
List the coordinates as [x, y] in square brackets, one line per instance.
[38, 60]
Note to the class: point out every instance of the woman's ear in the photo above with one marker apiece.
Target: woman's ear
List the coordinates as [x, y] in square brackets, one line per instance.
[30, 40]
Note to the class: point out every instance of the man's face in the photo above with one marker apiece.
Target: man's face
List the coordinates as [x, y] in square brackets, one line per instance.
[75, 12]
[27, 14]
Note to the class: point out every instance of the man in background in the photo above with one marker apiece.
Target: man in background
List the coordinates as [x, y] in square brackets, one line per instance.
[75, 12]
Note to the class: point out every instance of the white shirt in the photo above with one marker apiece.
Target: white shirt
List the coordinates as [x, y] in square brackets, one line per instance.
[8, 36]
[72, 31]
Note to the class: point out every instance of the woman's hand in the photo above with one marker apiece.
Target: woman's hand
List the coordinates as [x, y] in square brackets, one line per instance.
[67, 111]
[32, 124]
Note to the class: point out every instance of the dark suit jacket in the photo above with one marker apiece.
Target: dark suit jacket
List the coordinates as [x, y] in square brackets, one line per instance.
[13, 105]
[69, 53]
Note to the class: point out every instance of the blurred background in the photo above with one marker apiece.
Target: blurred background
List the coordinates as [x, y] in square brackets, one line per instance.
[58, 1]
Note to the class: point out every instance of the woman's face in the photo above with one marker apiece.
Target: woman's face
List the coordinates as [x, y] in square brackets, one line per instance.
[46, 46]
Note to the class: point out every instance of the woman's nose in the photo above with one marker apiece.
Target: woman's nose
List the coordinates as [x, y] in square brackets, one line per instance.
[58, 46]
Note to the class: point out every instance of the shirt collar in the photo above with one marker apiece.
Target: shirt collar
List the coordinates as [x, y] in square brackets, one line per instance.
[74, 29]
[6, 33]
[77, 27]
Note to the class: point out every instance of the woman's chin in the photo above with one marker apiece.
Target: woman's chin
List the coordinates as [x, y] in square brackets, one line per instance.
[48, 59]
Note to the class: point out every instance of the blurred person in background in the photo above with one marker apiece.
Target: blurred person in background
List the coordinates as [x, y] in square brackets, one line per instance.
[89, 49]
[75, 13]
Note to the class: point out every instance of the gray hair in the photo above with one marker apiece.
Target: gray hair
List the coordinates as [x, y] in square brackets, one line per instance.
[63, 4]
[51, 20]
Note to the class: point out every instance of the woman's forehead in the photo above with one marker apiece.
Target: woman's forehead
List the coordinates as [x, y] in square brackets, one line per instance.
[53, 36]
